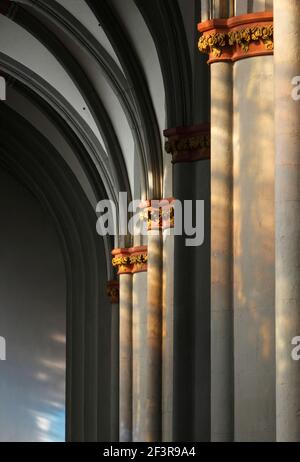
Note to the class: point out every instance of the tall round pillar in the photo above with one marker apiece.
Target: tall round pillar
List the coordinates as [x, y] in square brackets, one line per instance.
[139, 256]
[122, 261]
[167, 335]
[190, 150]
[153, 423]
[158, 215]
[222, 399]
[240, 52]
[221, 253]
[113, 296]
[287, 205]
[125, 384]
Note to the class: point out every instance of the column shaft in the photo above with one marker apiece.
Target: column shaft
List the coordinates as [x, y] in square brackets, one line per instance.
[167, 335]
[153, 424]
[125, 388]
[191, 282]
[287, 204]
[221, 253]
[139, 354]
[115, 373]
[254, 250]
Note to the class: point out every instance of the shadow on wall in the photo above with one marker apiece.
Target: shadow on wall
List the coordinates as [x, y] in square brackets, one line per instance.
[32, 319]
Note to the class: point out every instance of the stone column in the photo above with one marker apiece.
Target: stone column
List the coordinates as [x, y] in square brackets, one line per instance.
[139, 258]
[158, 215]
[153, 430]
[242, 193]
[221, 8]
[190, 150]
[113, 295]
[122, 261]
[222, 378]
[287, 205]
[222, 400]
[167, 335]
[125, 384]
[254, 250]
[221, 253]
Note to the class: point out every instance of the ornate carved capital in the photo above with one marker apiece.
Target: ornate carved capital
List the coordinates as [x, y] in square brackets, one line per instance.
[121, 260]
[112, 290]
[188, 144]
[139, 259]
[159, 214]
[238, 37]
[131, 260]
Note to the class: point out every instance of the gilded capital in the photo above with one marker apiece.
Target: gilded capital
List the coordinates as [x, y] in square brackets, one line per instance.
[188, 144]
[238, 37]
[159, 214]
[131, 260]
